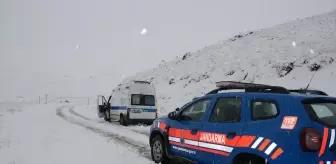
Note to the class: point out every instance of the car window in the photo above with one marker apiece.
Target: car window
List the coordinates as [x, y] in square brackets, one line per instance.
[196, 111]
[325, 111]
[226, 110]
[322, 110]
[262, 110]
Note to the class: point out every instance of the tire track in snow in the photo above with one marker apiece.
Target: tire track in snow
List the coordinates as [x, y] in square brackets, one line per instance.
[89, 119]
[142, 149]
[79, 115]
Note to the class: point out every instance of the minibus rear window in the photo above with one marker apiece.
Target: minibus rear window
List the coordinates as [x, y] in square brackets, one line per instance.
[143, 100]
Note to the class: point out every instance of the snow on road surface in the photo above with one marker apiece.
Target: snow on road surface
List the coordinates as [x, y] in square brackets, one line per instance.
[134, 140]
[89, 113]
[42, 134]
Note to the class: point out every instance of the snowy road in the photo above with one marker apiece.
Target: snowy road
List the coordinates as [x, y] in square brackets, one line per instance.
[89, 114]
[37, 134]
[134, 141]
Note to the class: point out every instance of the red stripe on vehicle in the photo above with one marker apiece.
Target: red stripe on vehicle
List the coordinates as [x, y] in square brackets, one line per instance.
[324, 141]
[175, 143]
[244, 141]
[162, 126]
[191, 146]
[264, 144]
[187, 135]
[174, 132]
[277, 153]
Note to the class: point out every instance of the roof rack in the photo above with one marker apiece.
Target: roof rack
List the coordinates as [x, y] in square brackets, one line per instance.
[248, 87]
[303, 91]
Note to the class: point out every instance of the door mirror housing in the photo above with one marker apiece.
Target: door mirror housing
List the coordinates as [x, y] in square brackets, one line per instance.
[172, 115]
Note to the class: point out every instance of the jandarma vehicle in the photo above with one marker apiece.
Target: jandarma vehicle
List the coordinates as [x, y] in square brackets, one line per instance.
[263, 124]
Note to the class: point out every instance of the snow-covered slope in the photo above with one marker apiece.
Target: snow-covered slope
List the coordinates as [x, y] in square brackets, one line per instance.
[286, 54]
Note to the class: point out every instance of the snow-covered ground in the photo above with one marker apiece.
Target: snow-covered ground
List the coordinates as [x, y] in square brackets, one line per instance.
[89, 113]
[34, 134]
[285, 54]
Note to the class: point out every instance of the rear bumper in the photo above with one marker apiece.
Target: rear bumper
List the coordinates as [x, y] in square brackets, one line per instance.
[145, 121]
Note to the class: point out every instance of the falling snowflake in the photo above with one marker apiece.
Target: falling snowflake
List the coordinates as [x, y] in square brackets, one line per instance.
[311, 51]
[143, 31]
[77, 46]
[293, 44]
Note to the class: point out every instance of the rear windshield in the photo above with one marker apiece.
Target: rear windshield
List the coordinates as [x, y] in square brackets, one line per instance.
[323, 111]
[142, 100]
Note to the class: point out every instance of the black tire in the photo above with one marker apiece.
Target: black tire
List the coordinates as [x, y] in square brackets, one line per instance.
[107, 116]
[149, 123]
[250, 160]
[123, 120]
[158, 150]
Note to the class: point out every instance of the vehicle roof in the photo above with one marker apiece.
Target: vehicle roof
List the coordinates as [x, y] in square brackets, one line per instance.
[234, 88]
[294, 95]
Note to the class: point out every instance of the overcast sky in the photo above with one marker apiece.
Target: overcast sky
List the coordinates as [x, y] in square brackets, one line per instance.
[38, 38]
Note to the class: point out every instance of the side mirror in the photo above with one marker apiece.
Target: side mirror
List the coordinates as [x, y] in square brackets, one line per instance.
[177, 109]
[172, 115]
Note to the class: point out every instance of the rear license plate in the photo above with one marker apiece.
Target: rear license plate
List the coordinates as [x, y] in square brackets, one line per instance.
[136, 110]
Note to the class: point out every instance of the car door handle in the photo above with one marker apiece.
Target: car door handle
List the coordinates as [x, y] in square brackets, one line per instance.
[194, 131]
[231, 135]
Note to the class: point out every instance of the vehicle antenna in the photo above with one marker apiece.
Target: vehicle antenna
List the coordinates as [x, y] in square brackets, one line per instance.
[310, 80]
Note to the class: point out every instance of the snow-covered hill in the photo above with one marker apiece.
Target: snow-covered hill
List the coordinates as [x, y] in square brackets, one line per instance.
[286, 54]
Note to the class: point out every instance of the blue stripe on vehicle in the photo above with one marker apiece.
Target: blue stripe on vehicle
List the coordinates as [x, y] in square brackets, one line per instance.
[149, 110]
[125, 107]
[145, 109]
[118, 107]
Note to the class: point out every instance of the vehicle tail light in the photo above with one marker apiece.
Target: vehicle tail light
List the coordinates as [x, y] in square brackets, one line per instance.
[310, 140]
